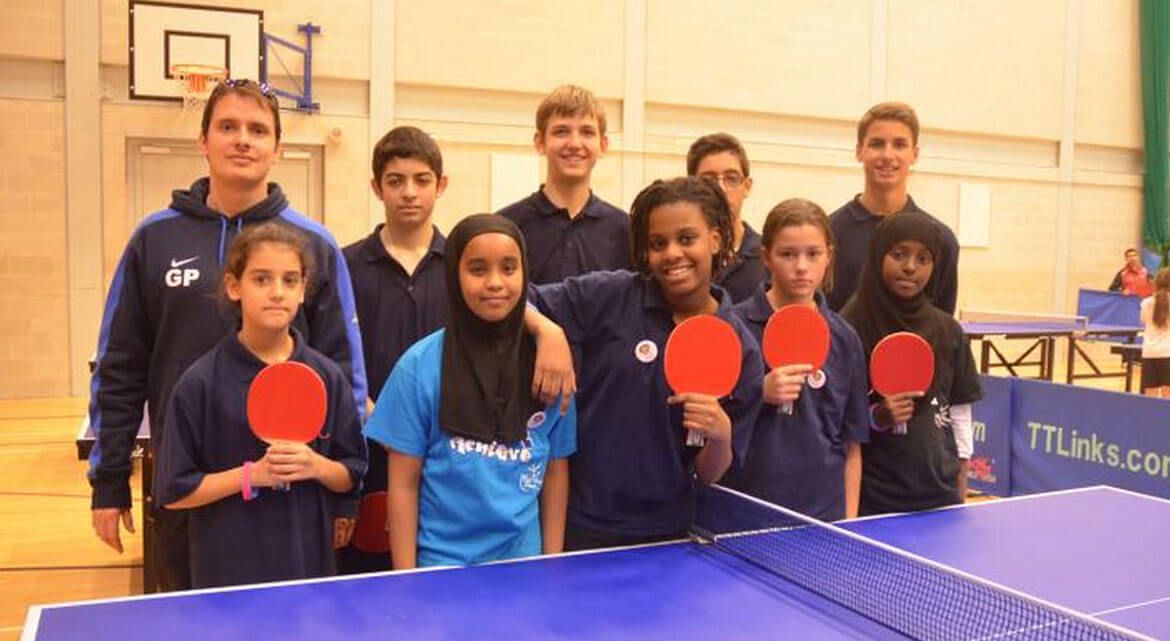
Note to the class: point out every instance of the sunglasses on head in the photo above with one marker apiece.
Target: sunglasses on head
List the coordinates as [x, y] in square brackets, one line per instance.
[238, 83]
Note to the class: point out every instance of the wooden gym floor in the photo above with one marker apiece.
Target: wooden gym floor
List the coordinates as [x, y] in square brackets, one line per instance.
[48, 551]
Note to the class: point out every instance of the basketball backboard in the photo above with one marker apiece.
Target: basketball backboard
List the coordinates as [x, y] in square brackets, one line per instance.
[164, 34]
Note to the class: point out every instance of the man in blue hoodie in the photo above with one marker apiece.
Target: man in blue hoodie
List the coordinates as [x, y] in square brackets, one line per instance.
[161, 312]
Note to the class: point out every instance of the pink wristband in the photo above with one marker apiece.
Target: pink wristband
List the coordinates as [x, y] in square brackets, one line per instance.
[246, 489]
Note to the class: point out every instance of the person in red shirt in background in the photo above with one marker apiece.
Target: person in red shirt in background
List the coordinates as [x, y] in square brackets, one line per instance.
[1133, 279]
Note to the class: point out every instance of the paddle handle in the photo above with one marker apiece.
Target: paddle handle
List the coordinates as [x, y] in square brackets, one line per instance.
[695, 439]
[280, 486]
[900, 429]
[785, 408]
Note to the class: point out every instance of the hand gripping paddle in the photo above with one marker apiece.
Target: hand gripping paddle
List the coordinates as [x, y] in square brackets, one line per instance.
[795, 335]
[287, 402]
[901, 362]
[703, 356]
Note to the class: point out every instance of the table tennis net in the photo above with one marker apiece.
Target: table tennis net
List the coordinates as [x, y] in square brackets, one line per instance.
[1038, 320]
[914, 596]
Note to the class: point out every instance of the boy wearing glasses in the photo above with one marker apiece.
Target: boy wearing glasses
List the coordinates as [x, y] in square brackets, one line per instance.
[723, 159]
[887, 146]
[161, 312]
[567, 229]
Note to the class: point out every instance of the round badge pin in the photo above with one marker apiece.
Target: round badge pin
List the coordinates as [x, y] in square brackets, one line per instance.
[646, 351]
[536, 420]
[816, 380]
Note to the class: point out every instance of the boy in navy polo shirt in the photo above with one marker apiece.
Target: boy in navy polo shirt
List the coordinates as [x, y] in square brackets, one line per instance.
[722, 158]
[399, 285]
[569, 230]
[887, 146]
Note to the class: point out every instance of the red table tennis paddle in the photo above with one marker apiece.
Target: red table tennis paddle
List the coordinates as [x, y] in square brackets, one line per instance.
[703, 356]
[287, 402]
[796, 334]
[901, 362]
[372, 532]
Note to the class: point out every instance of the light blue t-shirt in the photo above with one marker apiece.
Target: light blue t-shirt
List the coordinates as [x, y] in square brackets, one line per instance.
[477, 501]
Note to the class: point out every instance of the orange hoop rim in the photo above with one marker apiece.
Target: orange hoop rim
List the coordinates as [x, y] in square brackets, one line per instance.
[196, 78]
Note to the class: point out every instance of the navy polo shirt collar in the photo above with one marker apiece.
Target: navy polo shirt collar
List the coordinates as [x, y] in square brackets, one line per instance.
[247, 364]
[758, 309]
[546, 207]
[652, 297]
[749, 247]
[820, 300]
[860, 214]
[373, 250]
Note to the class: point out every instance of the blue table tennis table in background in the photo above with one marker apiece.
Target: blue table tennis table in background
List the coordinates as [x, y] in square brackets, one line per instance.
[1040, 334]
[1092, 563]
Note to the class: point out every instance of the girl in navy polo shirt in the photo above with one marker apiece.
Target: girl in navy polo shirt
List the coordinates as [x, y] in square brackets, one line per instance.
[210, 462]
[633, 478]
[809, 460]
[920, 469]
[477, 468]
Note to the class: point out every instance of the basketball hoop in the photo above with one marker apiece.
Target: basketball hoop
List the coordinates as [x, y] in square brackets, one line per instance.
[196, 82]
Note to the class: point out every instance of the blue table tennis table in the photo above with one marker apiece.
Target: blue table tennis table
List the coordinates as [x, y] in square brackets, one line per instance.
[1100, 551]
[1041, 350]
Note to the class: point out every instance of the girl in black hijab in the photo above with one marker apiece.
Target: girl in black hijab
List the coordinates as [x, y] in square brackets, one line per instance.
[478, 470]
[925, 467]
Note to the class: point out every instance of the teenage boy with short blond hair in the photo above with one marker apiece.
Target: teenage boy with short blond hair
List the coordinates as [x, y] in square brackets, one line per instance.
[568, 230]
